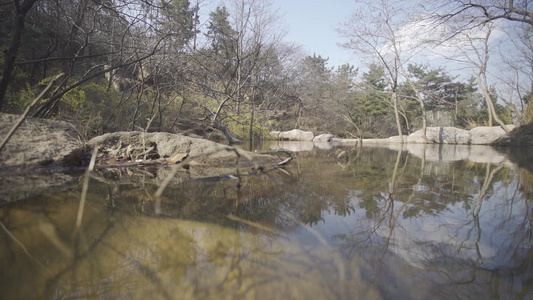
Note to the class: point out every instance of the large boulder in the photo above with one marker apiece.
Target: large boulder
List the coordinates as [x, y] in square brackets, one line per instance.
[39, 142]
[326, 137]
[165, 145]
[441, 135]
[162, 145]
[484, 135]
[296, 135]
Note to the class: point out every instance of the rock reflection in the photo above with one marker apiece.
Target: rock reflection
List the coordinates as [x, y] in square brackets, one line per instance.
[379, 224]
[466, 230]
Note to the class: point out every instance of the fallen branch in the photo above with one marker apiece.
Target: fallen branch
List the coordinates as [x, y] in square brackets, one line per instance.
[238, 152]
[27, 110]
[84, 190]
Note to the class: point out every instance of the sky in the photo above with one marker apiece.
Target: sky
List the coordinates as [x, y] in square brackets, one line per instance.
[313, 24]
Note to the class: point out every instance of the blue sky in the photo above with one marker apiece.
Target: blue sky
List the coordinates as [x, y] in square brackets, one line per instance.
[312, 24]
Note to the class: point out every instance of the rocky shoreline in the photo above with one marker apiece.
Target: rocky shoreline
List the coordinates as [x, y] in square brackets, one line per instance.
[435, 135]
[48, 143]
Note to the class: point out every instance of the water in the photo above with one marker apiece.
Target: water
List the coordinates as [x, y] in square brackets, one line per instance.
[424, 222]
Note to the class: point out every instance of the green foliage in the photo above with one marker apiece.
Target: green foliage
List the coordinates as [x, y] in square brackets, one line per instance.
[220, 32]
[504, 113]
[240, 124]
[371, 101]
[19, 97]
[177, 21]
[185, 84]
[527, 114]
[375, 78]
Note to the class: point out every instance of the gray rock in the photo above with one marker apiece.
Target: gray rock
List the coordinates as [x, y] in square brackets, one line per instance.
[39, 142]
[326, 137]
[477, 153]
[15, 187]
[296, 135]
[323, 145]
[292, 146]
[441, 135]
[166, 144]
[397, 139]
[345, 142]
[484, 135]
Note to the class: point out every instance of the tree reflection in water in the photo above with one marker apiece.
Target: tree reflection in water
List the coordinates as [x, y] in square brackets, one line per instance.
[463, 234]
[382, 224]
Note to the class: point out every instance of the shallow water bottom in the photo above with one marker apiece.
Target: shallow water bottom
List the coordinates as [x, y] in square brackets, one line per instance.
[382, 224]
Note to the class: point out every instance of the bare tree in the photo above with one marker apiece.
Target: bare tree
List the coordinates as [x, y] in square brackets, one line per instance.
[84, 39]
[472, 48]
[374, 31]
[467, 15]
[230, 67]
[517, 79]
[461, 19]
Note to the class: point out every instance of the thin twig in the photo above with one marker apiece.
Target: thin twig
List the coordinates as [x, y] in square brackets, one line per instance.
[84, 189]
[23, 247]
[252, 224]
[162, 188]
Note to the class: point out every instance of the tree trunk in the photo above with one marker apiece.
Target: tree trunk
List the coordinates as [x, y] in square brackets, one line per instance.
[251, 124]
[490, 106]
[396, 114]
[422, 107]
[227, 133]
[11, 55]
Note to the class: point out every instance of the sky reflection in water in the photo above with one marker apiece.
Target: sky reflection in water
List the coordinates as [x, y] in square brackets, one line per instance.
[430, 222]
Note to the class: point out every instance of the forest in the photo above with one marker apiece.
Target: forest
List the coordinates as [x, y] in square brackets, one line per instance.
[226, 72]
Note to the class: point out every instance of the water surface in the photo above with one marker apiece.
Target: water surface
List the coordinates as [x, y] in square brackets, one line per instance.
[376, 223]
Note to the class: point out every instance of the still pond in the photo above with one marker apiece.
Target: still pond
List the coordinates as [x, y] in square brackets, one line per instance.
[411, 222]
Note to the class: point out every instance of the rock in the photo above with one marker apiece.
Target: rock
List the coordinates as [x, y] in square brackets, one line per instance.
[346, 142]
[323, 138]
[323, 145]
[438, 152]
[397, 139]
[296, 135]
[168, 145]
[441, 135]
[292, 146]
[16, 187]
[39, 142]
[484, 135]
[177, 158]
[521, 136]
[477, 153]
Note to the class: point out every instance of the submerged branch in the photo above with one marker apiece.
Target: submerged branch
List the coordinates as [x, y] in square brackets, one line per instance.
[84, 190]
[21, 245]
